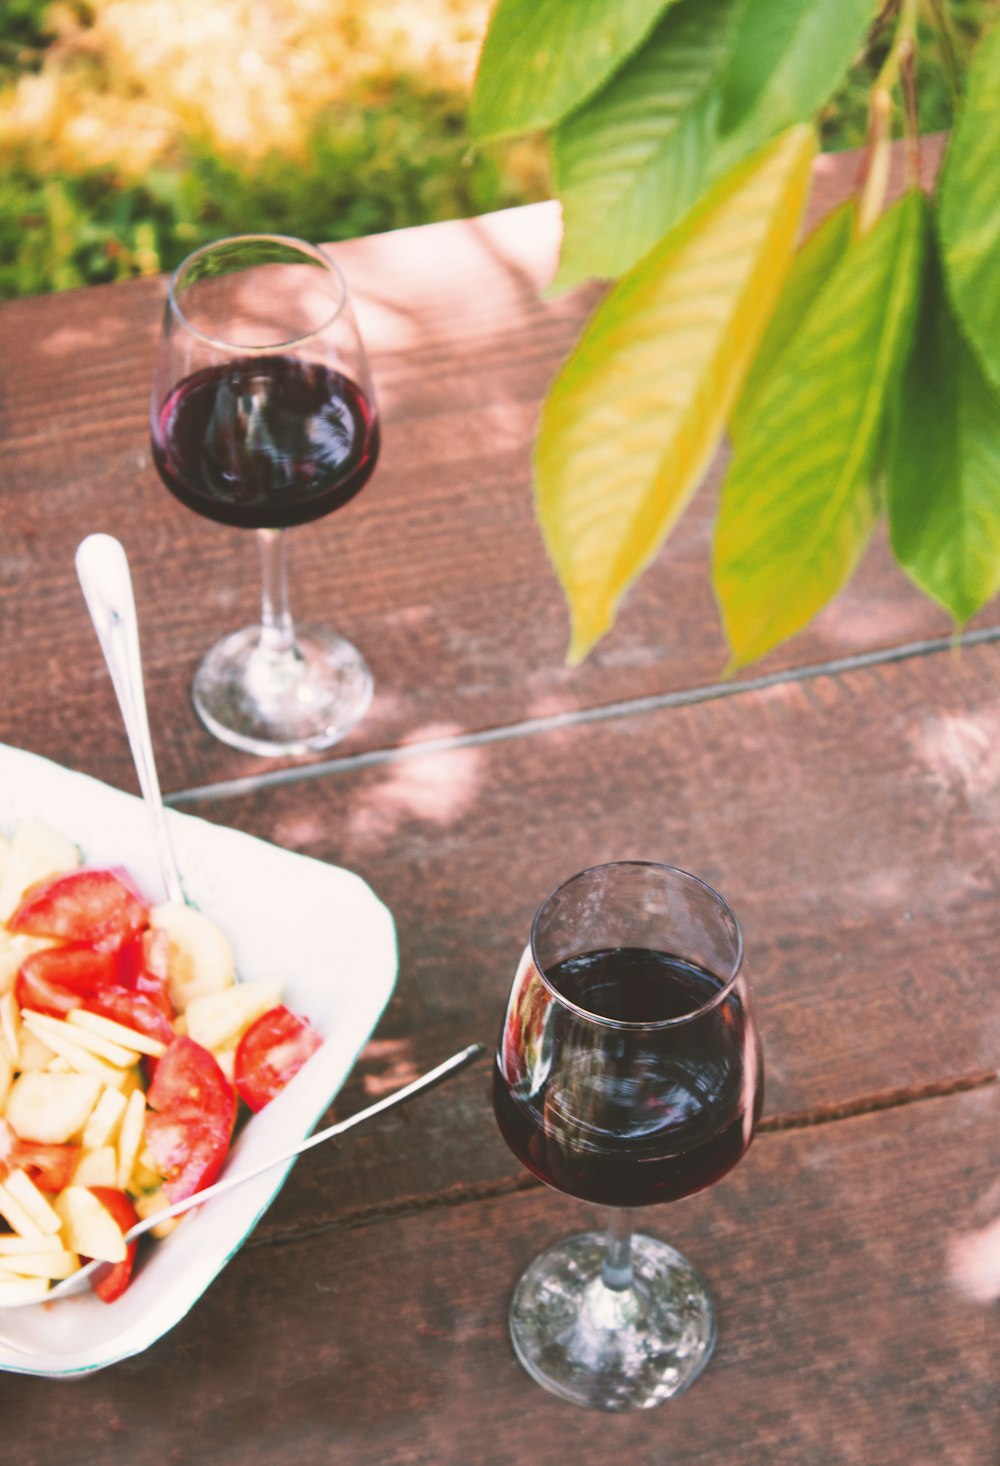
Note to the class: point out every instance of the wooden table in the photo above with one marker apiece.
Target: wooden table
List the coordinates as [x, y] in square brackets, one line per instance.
[845, 795]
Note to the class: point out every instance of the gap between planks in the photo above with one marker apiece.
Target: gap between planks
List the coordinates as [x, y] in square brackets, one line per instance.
[466, 1193]
[529, 727]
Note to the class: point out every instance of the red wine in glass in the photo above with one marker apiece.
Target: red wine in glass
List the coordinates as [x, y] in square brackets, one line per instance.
[665, 1114]
[266, 443]
[628, 1072]
[263, 416]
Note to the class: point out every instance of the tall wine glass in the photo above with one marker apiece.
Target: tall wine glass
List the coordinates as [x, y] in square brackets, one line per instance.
[263, 416]
[628, 1072]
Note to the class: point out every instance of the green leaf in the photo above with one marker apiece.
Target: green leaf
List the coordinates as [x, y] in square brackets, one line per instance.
[816, 260]
[944, 463]
[969, 206]
[633, 418]
[632, 161]
[542, 58]
[788, 57]
[798, 503]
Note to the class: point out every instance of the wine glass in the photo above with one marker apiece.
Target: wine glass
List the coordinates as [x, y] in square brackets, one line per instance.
[263, 416]
[628, 1072]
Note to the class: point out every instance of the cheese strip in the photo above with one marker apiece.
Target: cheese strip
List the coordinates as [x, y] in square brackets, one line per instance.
[16, 1217]
[97, 1167]
[102, 1127]
[10, 1245]
[52, 1265]
[117, 1033]
[130, 1136]
[10, 1025]
[82, 1061]
[27, 1195]
[55, 1031]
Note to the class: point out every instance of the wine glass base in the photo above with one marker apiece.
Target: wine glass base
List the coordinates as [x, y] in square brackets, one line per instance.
[609, 1349]
[295, 701]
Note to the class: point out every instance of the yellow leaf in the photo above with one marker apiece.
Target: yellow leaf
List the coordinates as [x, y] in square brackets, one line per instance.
[636, 413]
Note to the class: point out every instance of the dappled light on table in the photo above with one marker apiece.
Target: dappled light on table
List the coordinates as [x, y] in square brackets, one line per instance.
[394, 1061]
[975, 1263]
[962, 755]
[437, 788]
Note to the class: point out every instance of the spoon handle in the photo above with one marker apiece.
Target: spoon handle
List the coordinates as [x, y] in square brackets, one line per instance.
[103, 571]
[398, 1096]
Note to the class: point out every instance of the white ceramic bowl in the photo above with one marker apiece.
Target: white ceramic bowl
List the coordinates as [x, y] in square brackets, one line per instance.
[319, 930]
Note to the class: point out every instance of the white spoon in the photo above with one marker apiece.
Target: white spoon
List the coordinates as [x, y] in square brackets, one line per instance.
[102, 567]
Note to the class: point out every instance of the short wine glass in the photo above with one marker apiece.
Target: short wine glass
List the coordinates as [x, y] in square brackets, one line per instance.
[628, 1072]
[263, 416]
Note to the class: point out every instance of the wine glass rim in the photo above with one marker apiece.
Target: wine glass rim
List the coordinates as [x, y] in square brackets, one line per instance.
[619, 1023]
[219, 343]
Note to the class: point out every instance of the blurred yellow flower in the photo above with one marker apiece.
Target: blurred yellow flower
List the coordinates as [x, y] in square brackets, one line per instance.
[249, 76]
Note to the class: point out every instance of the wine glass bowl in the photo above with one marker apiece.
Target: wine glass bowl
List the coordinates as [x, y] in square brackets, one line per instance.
[628, 1073]
[263, 416]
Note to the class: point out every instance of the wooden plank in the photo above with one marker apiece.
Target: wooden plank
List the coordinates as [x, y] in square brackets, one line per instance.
[437, 570]
[844, 1337]
[851, 821]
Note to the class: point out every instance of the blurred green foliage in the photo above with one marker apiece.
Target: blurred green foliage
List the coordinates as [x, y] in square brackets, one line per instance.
[367, 169]
[25, 35]
[844, 121]
[391, 151]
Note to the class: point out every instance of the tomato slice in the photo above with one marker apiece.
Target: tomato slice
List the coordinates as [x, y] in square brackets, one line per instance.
[270, 1053]
[111, 1284]
[51, 1167]
[131, 959]
[93, 906]
[143, 967]
[187, 1152]
[57, 979]
[193, 1109]
[188, 1077]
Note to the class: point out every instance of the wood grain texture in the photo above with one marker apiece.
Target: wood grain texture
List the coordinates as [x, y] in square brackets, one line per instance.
[844, 1338]
[850, 820]
[437, 571]
[850, 815]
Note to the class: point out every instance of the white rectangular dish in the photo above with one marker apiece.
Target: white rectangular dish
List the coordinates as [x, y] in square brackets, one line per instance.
[316, 929]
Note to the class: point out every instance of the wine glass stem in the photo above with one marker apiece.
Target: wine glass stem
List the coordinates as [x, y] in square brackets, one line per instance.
[277, 629]
[617, 1269]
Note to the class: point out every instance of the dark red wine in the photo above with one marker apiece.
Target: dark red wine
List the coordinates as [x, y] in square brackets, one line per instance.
[267, 442]
[627, 1116]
